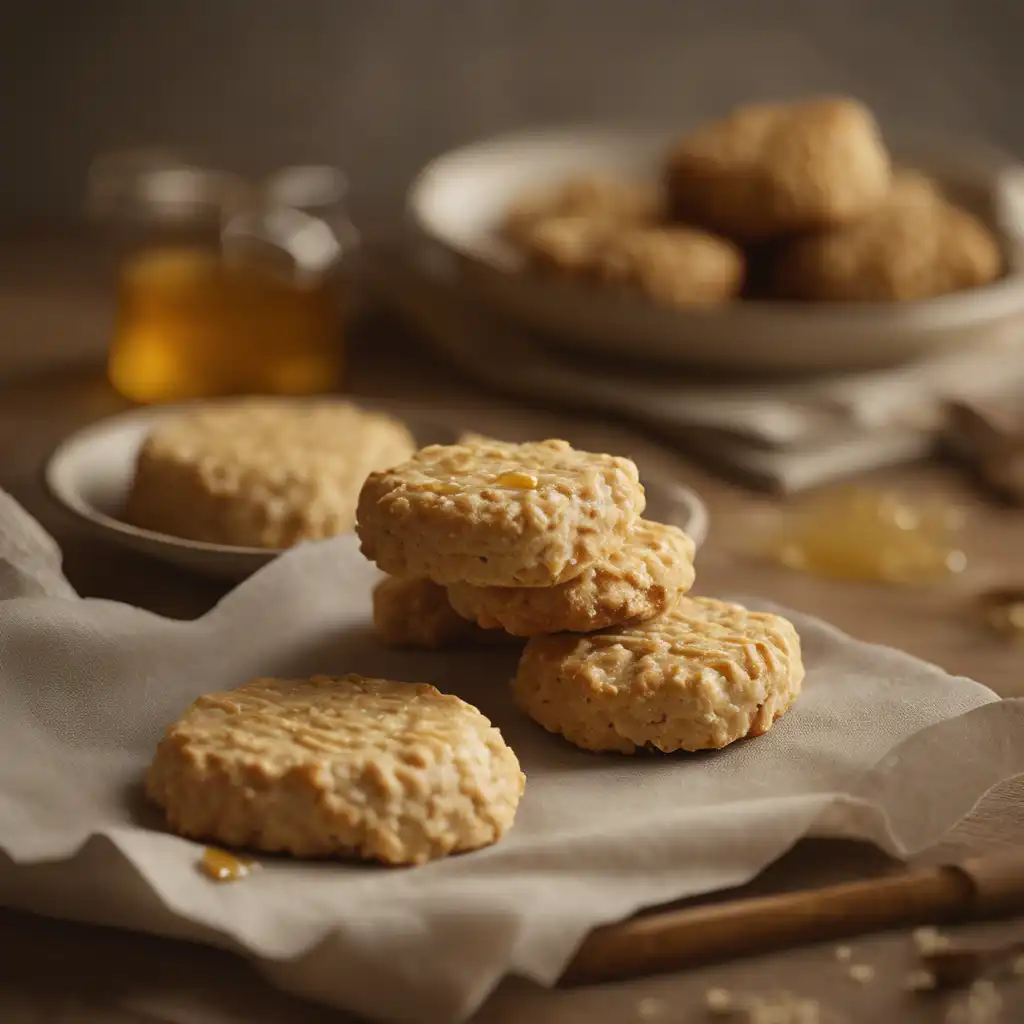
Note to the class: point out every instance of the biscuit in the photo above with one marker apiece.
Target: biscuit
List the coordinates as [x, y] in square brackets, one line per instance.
[346, 767]
[261, 473]
[492, 513]
[644, 578]
[699, 677]
[916, 246]
[417, 614]
[673, 266]
[774, 169]
[596, 197]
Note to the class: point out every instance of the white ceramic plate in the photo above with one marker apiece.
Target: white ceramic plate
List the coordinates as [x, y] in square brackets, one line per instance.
[458, 199]
[91, 472]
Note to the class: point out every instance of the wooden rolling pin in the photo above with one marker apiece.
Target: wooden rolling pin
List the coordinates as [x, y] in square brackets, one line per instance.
[978, 888]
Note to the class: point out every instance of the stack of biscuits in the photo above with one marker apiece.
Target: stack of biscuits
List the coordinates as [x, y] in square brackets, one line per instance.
[483, 541]
[490, 540]
[796, 201]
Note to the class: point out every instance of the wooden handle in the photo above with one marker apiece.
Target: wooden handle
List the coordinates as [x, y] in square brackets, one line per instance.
[707, 934]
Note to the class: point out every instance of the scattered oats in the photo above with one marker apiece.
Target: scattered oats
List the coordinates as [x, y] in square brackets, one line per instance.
[718, 1000]
[862, 973]
[919, 981]
[929, 940]
[1018, 966]
[650, 1007]
[982, 1005]
[844, 953]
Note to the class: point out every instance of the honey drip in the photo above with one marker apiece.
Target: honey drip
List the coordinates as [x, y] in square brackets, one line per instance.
[222, 866]
[873, 536]
[523, 481]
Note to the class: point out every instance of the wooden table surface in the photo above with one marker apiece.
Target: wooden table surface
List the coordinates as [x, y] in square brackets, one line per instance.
[54, 321]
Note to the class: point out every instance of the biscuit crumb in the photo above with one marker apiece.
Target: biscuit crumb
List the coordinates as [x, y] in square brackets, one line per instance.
[650, 1007]
[982, 1005]
[774, 1008]
[861, 973]
[719, 1001]
[919, 981]
[844, 953]
[929, 940]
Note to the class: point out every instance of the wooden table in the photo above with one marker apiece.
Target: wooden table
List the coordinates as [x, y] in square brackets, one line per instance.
[54, 321]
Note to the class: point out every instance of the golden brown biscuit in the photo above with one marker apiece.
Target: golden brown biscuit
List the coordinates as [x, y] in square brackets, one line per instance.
[915, 246]
[644, 578]
[261, 472]
[701, 676]
[349, 767]
[774, 169]
[417, 613]
[596, 197]
[497, 514]
[673, 266]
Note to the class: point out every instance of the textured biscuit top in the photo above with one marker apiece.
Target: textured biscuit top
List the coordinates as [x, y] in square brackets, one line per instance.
[774, 169]
[702, 675]
[672, 265]
[600, 198]
[394, 771]
[644, 578]
[498, 514]
[261, 472]
[917, 245]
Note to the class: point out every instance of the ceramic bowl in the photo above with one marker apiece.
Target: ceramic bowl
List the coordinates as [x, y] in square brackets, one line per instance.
[458, 200]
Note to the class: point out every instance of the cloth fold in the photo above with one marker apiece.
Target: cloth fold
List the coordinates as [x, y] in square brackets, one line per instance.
[779, 434]
[880, 746]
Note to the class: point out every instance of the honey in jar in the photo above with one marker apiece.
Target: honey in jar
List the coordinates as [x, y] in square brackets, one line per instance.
[192, 325]
[222, 289]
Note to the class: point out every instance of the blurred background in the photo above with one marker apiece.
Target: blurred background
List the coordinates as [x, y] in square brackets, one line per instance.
[380, 86]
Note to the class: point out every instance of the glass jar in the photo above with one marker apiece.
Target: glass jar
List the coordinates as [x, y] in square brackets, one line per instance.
[225, 287]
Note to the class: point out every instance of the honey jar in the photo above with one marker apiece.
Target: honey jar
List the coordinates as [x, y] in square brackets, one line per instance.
[224, 287]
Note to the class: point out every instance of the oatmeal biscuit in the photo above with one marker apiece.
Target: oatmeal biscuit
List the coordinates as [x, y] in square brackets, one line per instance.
[348, 767]
[417, 613]
[263, 473]
[699, 677]
[644, 578]
[596, 197]
[492, 513]
[674, 266]
[916, 246]
[774, 169]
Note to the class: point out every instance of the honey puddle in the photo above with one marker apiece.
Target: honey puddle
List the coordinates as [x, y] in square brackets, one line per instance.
[221, 866]
[869, 536]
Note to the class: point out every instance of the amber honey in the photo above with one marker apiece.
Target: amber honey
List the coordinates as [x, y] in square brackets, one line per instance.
[221, 866]
[871, 536]
[191, 324]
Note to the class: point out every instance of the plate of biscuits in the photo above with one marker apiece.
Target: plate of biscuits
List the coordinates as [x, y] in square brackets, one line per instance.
[223, 487]
[782, 237]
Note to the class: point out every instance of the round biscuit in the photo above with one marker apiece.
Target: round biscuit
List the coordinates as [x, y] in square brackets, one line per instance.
[337, 767]
[261, 472]
[671, 265]
[701, 676]
[916, 246]
[416, 613]
[774, 169]
[597, 197]
[492, 513]
[644, 578]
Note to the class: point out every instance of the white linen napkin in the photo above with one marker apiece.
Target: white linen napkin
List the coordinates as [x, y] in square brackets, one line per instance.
[785, 435]
[880, 746]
